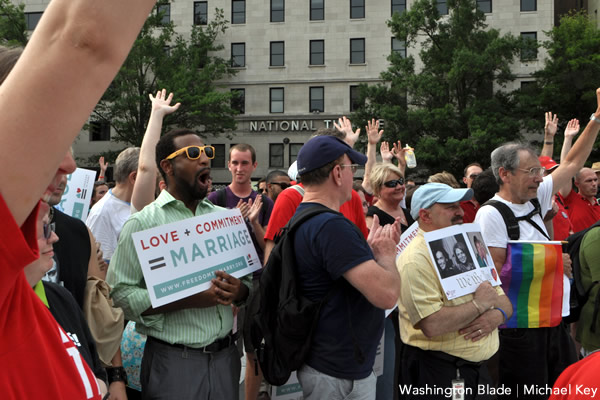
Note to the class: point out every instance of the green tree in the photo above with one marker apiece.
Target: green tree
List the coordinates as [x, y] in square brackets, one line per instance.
[13, 29]
[446, 106]
[567, 83]
[160, 58]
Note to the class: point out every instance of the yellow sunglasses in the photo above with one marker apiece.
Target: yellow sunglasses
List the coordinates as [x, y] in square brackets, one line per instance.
[194, 152]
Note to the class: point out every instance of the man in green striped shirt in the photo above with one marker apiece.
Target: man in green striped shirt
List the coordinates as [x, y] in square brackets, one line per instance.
[190, 352]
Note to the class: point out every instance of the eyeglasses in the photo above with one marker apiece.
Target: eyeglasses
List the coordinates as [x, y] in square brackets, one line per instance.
[394, 182]
[48, 229]
[194, 152]
[534, 172]
[282, 185]
[353, 167]
[260, 190]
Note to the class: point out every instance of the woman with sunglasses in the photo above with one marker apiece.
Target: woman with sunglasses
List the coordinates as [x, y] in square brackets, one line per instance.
[387, 182]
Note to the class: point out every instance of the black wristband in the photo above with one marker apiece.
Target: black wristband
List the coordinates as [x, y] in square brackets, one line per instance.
[116, 374]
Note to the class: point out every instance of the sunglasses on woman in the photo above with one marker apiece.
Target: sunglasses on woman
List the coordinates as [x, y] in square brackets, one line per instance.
[394, 182]
[48, 229]
[194, 152]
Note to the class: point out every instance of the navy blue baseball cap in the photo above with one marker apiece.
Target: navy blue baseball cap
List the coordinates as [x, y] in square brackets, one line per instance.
[321, 150]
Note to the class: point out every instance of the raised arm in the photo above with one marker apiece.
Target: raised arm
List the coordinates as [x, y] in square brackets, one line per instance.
[373, 137]
[103, 167]
[571, 131]
[550, 128]
[73, 55]
[580, 151]
[145, 181]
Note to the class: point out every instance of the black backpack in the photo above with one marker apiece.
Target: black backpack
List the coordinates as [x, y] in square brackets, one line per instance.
[512, 222]
[282, 329]
[578, 295]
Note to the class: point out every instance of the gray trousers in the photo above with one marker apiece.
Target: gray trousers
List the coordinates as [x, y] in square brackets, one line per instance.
[172, 373]
[317, 385]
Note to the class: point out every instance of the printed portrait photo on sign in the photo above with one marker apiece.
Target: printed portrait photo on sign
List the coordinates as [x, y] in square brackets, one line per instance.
[482, 254]
[451, 256]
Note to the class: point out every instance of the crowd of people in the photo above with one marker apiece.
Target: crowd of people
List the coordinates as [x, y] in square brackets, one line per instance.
[73, 292]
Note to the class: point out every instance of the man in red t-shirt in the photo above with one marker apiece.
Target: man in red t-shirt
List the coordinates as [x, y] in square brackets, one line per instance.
[583, 207]
[286, 205]
[561, 223]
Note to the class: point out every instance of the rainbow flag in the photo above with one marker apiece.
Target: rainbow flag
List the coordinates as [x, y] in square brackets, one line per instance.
[532, 278]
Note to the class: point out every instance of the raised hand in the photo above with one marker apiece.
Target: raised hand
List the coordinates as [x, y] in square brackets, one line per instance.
[161, 103]
[373, 132]
[386, 154]
[399, 152]
[572, 128]
[344, 125]
[551, 124]
[103, 166]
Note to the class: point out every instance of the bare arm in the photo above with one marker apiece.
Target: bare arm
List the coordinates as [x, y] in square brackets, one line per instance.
[550, 128]
[73, 55]
[488, 321]
[145, 182]
[452, 318]
[571, 131]
[579, 153]
[399, 153]
[373, 137]
[103, 167]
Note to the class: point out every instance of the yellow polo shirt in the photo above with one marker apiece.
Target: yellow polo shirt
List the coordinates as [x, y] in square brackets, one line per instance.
[422, 295]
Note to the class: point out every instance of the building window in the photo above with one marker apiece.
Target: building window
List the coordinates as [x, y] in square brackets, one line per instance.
[357, 9]
[164, 12]
[355, 102]
[317, 99]
[99, 131]
[293, 151]
[277, 10]
[485, 6]
[276, 100]
[527, 85]
[399, 47]
[32, 19]
[442, 6]
[528, 5]
[398, 6]
[276, 155]
[200, 13]
[277, 52]
[317, 52]
[357, 51]
[238, 100]
[219, 160]
[530, 40]
[317, 10]
[238, 55]
[238, 11]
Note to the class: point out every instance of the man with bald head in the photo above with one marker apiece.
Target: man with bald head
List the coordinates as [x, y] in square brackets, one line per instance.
[582, 206]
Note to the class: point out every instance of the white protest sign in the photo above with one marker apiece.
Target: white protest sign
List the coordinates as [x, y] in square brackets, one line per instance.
[407, 236]
[78, 192]
[461, 258]
[291, 390]
[180, 259]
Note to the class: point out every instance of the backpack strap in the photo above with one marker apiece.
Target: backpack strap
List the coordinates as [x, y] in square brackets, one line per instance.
[512, 222]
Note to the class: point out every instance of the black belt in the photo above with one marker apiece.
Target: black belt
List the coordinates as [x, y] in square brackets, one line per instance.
[214, 347]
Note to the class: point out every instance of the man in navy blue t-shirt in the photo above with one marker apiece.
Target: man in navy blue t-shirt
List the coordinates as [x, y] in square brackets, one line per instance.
[332, 253]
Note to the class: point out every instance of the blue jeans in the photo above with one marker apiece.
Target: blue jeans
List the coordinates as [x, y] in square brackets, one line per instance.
[316, 385]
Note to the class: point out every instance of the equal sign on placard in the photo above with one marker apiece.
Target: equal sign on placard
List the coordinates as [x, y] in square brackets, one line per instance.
[154, 264]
